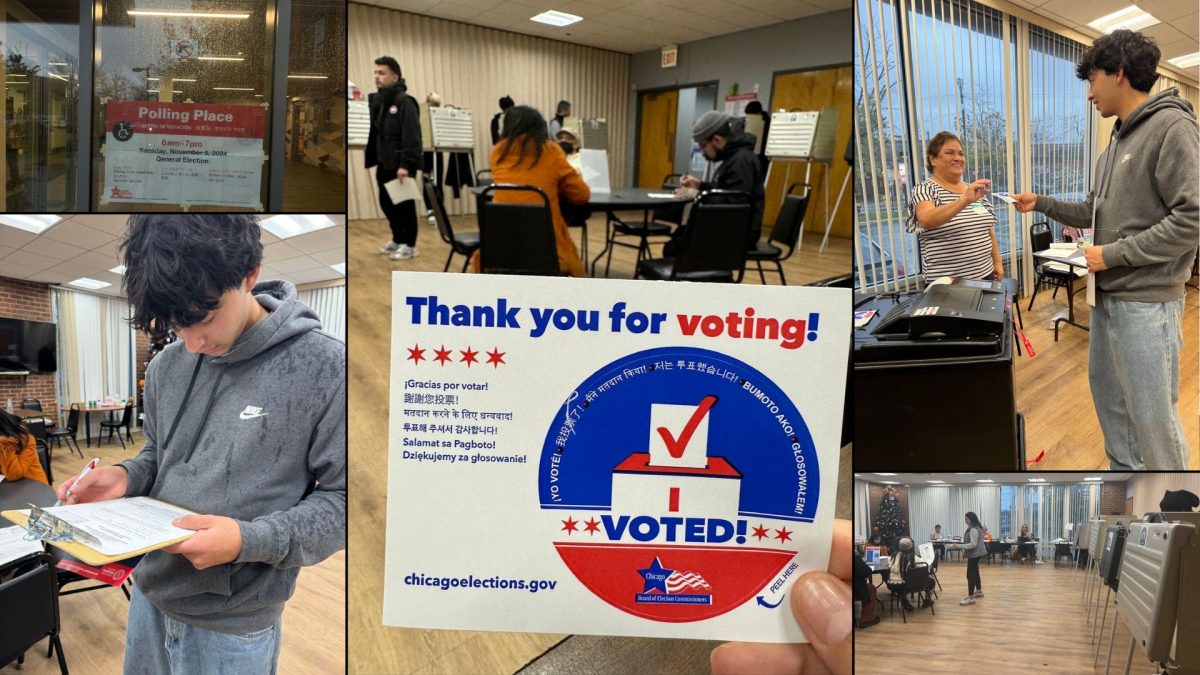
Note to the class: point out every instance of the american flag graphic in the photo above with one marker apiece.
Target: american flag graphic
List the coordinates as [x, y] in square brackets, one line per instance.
[678, 581]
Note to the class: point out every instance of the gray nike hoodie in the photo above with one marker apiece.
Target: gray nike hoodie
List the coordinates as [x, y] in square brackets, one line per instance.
[1147, 210]
[258, 435]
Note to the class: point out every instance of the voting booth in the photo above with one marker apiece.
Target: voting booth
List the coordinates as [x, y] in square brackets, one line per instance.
[809, 137]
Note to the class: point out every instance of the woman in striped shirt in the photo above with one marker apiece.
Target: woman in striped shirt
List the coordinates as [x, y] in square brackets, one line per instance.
[955, 225]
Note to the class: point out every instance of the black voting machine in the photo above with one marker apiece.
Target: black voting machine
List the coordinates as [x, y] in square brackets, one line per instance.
[933, 381]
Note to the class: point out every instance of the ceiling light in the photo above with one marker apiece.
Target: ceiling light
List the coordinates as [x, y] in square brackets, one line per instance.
[889, 482]
[220, 58]
[1037, 480]
[1094, 478]
[58, 77]
[233, 88]
[554, 18]
[155, 91]
[308, 77]
[59, 63]
[935, 481]
[258, 96]
[174, 79]
[90, 284]
[190, 15]
[36, 224]
[119, 269]
[1186, 61]
[285, 227]
[1131, 17]
[885, 474]
[340, 268]
[983, 480]
[959, 473]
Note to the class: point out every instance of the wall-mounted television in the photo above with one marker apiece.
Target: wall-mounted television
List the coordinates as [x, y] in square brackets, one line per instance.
[28, 346]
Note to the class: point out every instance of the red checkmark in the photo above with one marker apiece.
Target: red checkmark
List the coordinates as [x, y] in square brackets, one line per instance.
[676, 447]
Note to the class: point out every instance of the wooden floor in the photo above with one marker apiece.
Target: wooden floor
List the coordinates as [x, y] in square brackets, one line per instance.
[374, 648]
[1053, 394]
[93, 623]
[1031, 619]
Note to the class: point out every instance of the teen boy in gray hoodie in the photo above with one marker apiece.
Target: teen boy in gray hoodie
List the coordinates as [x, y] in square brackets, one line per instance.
[1145, 210]
[245, 422]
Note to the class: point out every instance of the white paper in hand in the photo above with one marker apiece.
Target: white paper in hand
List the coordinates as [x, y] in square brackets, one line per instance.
[402, 192]
[1091, 289]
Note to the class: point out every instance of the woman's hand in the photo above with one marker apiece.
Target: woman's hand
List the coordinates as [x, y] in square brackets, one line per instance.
[976, 190]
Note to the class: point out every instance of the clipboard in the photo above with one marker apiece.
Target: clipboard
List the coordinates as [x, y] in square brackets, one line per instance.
[90, 555]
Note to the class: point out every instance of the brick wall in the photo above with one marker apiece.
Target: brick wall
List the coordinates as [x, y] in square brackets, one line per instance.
[29, 301]
[1112, 498]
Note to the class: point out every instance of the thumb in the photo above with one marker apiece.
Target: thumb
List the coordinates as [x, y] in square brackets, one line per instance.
[194, 522]
[822, 606]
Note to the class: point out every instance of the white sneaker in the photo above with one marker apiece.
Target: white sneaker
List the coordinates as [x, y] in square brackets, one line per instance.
[390, 247]
[967, 601]
[979, 594]
[1039, 562]
[405, 252]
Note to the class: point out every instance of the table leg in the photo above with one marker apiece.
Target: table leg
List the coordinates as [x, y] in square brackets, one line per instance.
[1070, 307]
[87, 423]
[607, 240]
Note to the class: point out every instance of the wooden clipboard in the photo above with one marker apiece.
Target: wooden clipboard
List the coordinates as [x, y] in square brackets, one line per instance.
[90, 555]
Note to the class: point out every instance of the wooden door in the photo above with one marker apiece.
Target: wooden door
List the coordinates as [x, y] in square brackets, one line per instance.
[806, 91]
[656, 137]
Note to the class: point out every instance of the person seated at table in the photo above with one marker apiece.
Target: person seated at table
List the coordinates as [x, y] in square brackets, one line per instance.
[864, 593]
[567, 140]
[878, 540]
[938, 547]
[901, 564]
[525, 155]
[724, 139]
[1026, 546]
[18, 451]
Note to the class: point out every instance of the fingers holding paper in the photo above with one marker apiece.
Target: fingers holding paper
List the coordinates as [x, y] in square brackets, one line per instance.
[218, 540]
[1025, 201]
[99, 484]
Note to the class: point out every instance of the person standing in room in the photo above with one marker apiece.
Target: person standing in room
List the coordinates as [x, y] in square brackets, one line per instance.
[245, 424]
[973, 548]
[394, 151]
[525, 155]
[497, 125]
[724, 139]
[562, 111]
[1144, 208]
[954, 222]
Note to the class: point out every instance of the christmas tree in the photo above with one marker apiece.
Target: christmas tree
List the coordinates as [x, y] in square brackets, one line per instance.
[891, 520]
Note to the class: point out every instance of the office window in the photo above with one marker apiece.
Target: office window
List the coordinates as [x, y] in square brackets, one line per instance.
[1082, 496]
[314, 176]
[181, 104]
[41, 84]
[1008, 506]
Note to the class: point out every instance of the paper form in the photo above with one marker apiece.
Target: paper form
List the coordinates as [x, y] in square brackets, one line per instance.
[13, 544]
[124, 525]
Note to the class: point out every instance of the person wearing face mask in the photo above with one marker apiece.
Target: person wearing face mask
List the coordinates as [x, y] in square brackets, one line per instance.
[724, 139]
[952, 218]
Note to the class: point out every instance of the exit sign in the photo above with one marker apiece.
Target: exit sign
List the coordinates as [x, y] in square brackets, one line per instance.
[670, 56]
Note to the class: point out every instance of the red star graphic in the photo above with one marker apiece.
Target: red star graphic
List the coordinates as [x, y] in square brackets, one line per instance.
[495, 357]
[468, 356]
[415, 354]
[569, 525]
[592, 526]
[783, 535]
[761, 532]
[443, 355]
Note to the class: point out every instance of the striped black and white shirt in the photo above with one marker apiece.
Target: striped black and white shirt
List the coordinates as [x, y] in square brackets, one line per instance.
[960, 248]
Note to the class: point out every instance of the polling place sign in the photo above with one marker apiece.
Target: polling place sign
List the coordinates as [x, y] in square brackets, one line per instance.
[183, 153]
[610, 457]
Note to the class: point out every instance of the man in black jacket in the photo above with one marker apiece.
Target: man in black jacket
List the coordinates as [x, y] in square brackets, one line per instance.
[394, 149]
[506, 102]
[724, 139]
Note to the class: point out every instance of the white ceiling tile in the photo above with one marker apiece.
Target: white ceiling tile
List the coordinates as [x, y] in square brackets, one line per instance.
[49, 277]
[321, 240]
[1189, 25]
[280, 250]
[314, 275]
[416, 6]
[27, 259]
[49, 248]
[5, 250]
[14, 270]
[11, 237]
[76, 233]
[114, 224]
[267, 237]
[330, 257]
[268, 272]
[1164, 33]
[1076, 12]
[293, 265]
[1167, 10]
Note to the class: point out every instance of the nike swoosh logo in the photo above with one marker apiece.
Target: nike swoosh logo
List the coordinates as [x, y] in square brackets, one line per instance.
[244, 416]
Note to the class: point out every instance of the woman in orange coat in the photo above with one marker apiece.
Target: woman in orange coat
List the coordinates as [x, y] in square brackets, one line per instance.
[526, 155]
[18, 451]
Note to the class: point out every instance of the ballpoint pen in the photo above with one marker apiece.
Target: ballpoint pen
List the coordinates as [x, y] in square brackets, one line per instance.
[71, 490]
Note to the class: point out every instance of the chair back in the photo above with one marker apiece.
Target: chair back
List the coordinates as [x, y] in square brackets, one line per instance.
[516, 238]
[73, 419]
[1040, 237]
[433, 197]
[917, 577]
[790, 222]
[32, 404]
[30, 600]
[43, 453]
[127, 416]
[673, 213]
[715, 239]
[483, 177]
[37, 427]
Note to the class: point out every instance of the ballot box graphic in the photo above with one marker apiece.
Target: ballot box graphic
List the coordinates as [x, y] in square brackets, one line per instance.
[675, 494]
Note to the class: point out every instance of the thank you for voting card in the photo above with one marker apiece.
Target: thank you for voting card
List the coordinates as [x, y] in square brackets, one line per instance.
[610, 457]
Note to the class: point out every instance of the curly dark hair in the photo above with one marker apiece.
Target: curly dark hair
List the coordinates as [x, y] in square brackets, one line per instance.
[177, 265]
[1125, 50]
[935, 146]
[525, 134]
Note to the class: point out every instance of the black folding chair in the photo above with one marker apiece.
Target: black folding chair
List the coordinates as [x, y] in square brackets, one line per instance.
[30, 602]
[1040, 238]
[462, 243]
[789, 225]
[516, 238]
[710, 249]
[126, 420]
[917, 581]
[67, 434]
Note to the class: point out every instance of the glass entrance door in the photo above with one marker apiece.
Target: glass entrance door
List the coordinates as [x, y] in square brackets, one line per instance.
[40, 79]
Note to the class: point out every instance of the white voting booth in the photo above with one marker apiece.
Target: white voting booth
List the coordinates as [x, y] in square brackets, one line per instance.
[446, 129]
[358, 123]
[807, 137]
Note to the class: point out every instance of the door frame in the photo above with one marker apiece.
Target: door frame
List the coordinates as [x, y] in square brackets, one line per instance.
[637, 137]
[789, 71]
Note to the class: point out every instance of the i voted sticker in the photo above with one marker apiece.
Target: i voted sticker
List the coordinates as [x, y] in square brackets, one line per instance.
[677, 482]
